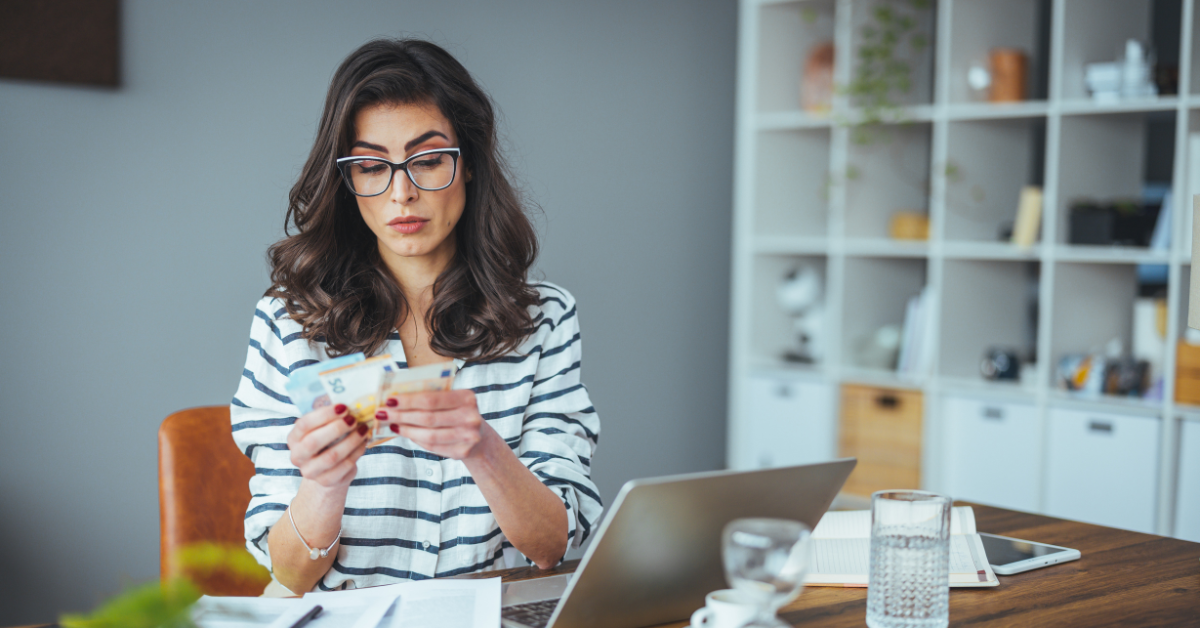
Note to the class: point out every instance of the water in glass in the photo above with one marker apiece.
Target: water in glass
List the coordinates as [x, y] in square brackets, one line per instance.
[766, 559]
[910, 561]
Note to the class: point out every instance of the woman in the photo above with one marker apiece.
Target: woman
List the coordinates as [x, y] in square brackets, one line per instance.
[411, 241]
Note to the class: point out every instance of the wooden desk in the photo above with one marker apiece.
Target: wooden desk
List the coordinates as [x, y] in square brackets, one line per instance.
[1124, 579]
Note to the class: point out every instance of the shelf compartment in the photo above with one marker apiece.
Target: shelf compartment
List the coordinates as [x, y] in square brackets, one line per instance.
[995, 306]
[773, 330]
[1093, 303]
[882, 288]
[920, 62]
[1112, 156]
[791, 183]
[988, 162]
[1096, 31]
[889, 174]
[981, 25]
[788, 32]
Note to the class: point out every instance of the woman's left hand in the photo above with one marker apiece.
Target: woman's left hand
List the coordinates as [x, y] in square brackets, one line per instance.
[446, 423]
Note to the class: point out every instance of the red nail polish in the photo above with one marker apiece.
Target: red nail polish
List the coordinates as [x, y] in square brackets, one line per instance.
[381, 415]
[395, 428]
[339, 408]
[362, 429]
[348, 419]
[392, 402]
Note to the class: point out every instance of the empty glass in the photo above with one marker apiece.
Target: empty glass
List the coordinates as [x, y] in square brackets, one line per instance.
[766, 560]
[909, 585]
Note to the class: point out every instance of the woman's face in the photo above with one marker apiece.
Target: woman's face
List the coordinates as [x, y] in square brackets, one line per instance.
[407, 221]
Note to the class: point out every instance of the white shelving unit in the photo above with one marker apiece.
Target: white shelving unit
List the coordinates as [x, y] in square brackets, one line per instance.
[787, 211]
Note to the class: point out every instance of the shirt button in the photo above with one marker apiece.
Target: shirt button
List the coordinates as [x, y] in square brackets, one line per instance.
[429, 472]
[426, 545]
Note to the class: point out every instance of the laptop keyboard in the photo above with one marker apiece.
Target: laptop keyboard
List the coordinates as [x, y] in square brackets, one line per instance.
[532, 614]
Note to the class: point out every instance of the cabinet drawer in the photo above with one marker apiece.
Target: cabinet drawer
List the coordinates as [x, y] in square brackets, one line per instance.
[882, 428]
[785, 421]
[1187, 504]
[991, 451]
[1103, 468]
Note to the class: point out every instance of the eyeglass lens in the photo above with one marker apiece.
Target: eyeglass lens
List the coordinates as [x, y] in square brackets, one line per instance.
[369, 177]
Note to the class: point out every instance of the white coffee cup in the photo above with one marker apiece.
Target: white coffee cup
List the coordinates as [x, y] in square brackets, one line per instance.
[727, 608]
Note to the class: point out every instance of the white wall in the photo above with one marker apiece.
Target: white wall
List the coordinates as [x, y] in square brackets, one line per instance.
[135, 221]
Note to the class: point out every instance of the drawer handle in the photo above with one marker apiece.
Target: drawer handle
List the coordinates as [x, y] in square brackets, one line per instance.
[995, 414]
[889, 402]
[1100, 427]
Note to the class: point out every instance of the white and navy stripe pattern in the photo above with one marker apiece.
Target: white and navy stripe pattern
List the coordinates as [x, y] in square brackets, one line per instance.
[411, 514]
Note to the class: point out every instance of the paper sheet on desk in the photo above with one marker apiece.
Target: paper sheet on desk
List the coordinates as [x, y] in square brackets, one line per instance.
[428, 603]
[424, 604]
[254, 612]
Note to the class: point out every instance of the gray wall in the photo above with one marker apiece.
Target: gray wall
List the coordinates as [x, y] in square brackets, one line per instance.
[135, 223]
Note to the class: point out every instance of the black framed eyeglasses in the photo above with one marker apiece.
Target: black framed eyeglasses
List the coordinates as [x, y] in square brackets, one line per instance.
[429, 170]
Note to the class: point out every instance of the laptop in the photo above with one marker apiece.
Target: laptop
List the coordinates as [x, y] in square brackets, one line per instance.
[658, 550]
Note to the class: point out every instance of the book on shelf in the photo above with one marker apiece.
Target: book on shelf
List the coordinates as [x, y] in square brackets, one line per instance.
[916, 339]
[840, 551]
[1029, 216]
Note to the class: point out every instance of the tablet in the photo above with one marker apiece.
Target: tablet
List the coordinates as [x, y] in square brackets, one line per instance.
[1009, 556]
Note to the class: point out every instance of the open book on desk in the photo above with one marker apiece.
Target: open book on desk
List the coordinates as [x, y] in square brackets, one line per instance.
[840, 551]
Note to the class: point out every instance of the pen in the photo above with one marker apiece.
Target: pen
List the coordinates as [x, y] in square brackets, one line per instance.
[316, 610]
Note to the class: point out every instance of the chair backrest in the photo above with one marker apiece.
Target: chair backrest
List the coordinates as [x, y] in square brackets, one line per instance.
[203, 490]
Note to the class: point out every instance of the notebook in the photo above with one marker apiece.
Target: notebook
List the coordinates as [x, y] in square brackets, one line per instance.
[841, 551]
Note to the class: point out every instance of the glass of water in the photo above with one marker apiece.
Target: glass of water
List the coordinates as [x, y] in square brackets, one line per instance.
[909, 585]
[766, 560]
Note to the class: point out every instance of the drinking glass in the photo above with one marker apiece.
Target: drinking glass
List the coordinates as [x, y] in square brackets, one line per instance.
[766, 560]
[909, 585]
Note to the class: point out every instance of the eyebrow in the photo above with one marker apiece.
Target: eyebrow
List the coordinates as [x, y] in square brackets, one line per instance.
[407, 147]
[424, 137]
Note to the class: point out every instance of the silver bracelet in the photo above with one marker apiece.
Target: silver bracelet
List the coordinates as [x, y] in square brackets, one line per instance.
[313, 552]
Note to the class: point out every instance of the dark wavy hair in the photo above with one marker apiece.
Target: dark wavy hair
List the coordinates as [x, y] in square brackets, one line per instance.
[329, 273]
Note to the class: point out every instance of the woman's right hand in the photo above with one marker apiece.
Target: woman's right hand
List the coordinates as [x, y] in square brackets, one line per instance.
[310, 440]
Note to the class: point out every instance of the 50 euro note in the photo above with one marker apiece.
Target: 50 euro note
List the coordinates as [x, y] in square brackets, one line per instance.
[365, 386]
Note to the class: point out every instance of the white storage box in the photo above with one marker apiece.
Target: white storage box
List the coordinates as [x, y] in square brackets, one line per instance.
[1187, 489]
[992, 453]
[1103, 468]
[785, 421]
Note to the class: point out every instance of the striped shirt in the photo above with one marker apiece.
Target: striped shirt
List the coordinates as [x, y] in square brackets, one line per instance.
[411, 514]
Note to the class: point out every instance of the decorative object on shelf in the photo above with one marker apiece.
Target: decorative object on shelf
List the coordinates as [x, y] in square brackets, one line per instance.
[879, 349]
[1000, 365]
[979, 79]
[1122, 222]
[1008, 76]
[1111, 373]
[1029, 216]
[1128, 77]
[816, 86]
[909, 225]
[801, 294]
